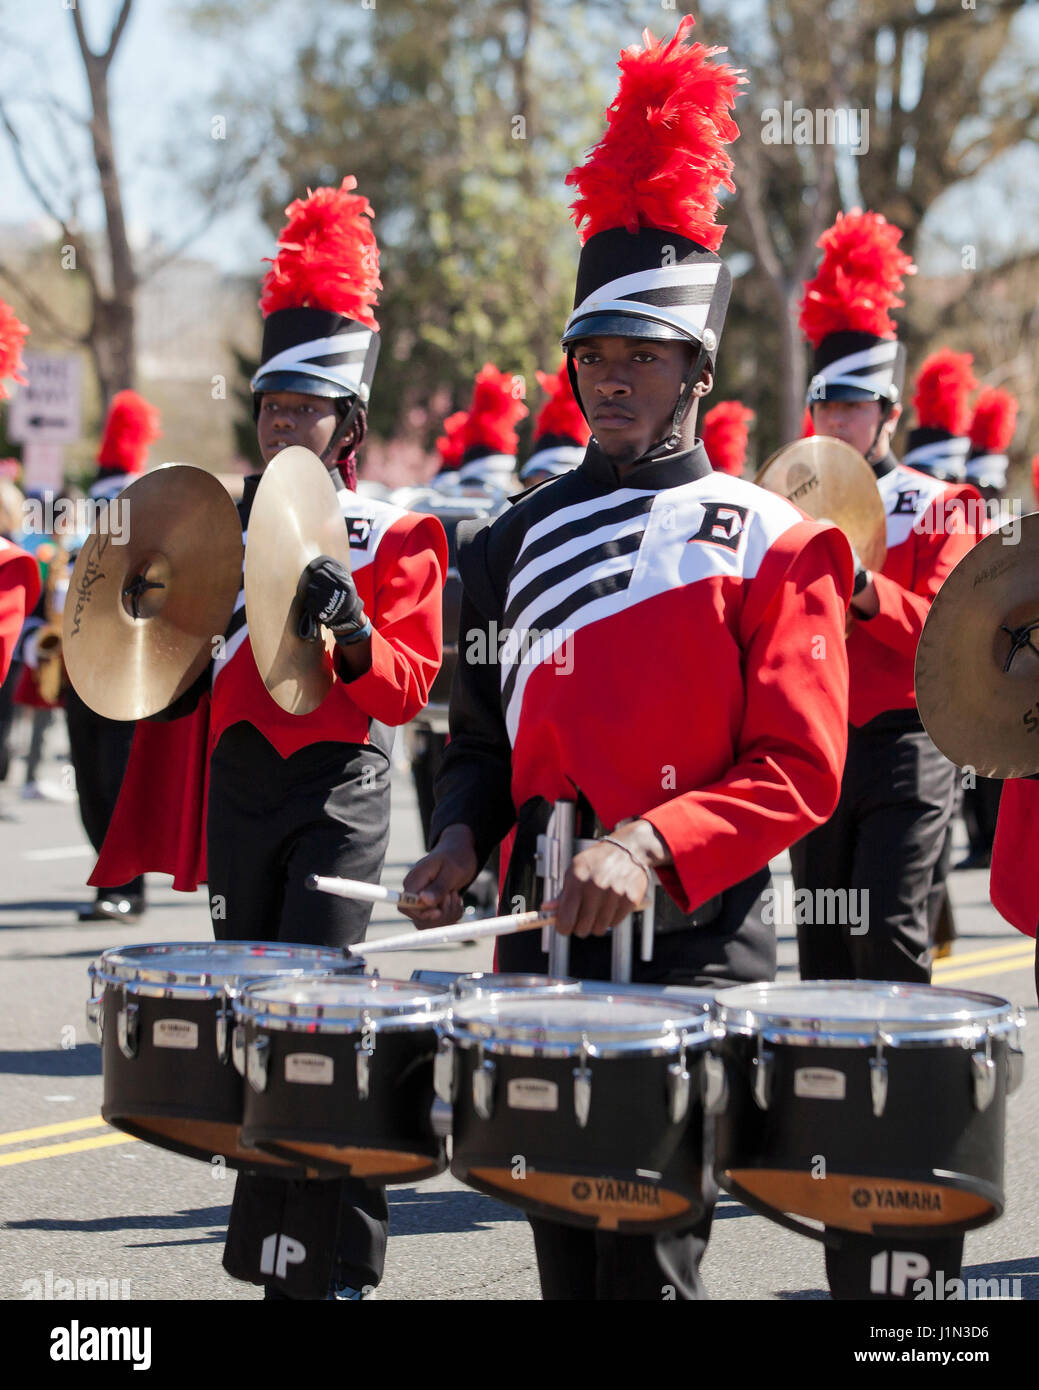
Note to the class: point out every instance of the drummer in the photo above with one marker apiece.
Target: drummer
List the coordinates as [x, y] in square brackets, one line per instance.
[293, 795]
[692, 695]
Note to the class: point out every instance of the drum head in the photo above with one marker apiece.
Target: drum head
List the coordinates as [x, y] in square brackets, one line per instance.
[858, 1008]
[197, 964]
[345, 1002]
[479, 984]
[609, 1023]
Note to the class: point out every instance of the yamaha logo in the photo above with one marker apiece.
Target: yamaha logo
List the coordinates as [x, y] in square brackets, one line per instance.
[581, 1190]
[861, 1197]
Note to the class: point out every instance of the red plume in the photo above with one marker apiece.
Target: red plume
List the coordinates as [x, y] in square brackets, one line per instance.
[662, 157]
[131, 426]
[724, 433]
[495, 412]
[13, 334]
[807, 424]
[995, 415]
[451, 445]
[560, 415]
[1035, 475]
[858, 280]
[943, 384]
[328, 257]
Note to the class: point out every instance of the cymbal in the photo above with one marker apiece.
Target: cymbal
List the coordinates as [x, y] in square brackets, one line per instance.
[146, 601]
[977, 663]
[295, 517]
[830, 480]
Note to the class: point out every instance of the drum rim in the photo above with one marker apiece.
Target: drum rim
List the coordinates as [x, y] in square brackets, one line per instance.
[833, 1030]
[144, 977]
[250, 1005]
[670, 1032]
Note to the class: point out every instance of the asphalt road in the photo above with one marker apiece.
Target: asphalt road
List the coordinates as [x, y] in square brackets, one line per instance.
[83, 1202]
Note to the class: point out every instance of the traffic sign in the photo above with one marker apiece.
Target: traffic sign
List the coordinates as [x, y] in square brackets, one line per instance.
[48, 409]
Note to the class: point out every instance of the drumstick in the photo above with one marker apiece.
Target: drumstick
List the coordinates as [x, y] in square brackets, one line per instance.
[364, 892]
[465, 931]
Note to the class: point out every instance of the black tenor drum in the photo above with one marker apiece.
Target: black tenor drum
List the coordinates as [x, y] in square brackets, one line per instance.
[339, 1074]
[876, 1108]
[586, 1109]
[164, 1022]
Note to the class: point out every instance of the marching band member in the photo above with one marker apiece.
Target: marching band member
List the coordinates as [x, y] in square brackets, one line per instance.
[886, 836]
[561, 432]
[292, 795]
[688, 682]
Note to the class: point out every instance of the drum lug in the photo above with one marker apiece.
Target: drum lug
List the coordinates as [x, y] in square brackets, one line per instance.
[483, 1086]
[441, 1118]
[1015, 1055]
[761, 1069]
[238, 1048]
[444, 1072]
[258, 1063]
[364, 1070]
[715, 1084]
[878, 1075]
[95, 1017]
[582, 1089]
[223, 1032]
[127, 1029]
[678, 1086]
[984, 1069]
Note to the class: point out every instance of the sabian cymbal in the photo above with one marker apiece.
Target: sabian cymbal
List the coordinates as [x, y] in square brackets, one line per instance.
[295, 517]
[977, 663]
[830, 480]
[151, 591]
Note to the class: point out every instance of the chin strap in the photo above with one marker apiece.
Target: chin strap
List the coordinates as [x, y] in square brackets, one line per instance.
[886, 408]
[347, 466]
[685, 397]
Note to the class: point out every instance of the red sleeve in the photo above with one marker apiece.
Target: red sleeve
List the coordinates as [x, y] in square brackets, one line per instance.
[1012, 884]
[407, 638]
[786, 777]
[941, 536]
[19, 590]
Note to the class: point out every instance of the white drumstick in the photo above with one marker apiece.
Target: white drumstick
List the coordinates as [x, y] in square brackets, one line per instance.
[362, 892]
[465, 931]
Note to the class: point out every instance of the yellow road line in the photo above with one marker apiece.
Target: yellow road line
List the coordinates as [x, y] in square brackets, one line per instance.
[101, 1141]
[1024, 962]
[17, 1136]
[990, 953]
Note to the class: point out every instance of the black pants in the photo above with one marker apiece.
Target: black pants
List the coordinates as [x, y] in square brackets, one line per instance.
[272, 821]
[980, 812]
[7, 717]
[99, 749]
[885, 839]
[602, 1265]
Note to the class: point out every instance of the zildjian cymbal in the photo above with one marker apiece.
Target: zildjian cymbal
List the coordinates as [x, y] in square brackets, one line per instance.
[831, 481]
[295, 517]
[977, 663]
[147, 599]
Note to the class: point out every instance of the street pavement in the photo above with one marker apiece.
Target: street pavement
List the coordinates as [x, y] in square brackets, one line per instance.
[81, 1201]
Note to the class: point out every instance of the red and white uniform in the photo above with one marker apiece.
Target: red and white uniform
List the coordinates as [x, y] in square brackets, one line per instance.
[398, 560]
[19, 590]
[930, 527]
[674, 650]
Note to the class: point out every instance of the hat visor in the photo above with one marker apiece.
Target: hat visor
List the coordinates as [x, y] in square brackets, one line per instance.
[840, 392]
[615, 325]
[301, 382]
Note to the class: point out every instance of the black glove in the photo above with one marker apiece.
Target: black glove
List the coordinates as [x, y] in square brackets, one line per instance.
[331, 598]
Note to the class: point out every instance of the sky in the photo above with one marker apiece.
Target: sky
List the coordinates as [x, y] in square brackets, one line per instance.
[163, 81]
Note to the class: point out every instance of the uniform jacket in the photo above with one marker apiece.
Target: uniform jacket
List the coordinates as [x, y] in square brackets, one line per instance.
[671, 646]
[19, 591]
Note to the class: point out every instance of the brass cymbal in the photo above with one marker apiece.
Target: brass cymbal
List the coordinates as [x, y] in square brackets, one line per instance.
[830, 480]
[977, 663]
[295, 518]
[151, 591]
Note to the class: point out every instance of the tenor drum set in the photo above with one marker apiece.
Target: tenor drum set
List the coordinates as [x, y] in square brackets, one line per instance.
[598, 1105]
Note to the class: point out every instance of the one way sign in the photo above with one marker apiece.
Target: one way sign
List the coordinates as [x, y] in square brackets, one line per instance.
[48, 409]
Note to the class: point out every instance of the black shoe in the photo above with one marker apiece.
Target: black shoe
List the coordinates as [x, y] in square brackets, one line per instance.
[117, 909]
